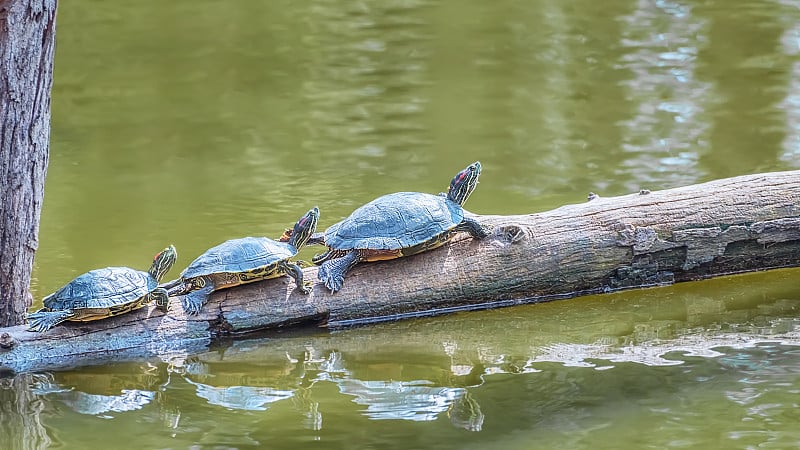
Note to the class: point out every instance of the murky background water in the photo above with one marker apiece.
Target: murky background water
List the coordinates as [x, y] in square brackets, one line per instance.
[195, 122]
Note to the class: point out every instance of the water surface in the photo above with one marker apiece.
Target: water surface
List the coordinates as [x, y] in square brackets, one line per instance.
[195, 122]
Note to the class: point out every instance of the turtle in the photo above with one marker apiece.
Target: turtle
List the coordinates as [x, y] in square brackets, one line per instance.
[397, 225]
[241, 261]
[105, 292]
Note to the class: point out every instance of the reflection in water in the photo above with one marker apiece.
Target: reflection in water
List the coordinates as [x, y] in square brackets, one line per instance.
[21, 425]
[667, 133]
[99, 405]
[465, 412]
[408, 400]
[241, 397]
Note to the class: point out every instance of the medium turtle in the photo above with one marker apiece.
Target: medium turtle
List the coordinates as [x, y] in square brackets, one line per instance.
[105, 293]
[396, 225]
[240, 261]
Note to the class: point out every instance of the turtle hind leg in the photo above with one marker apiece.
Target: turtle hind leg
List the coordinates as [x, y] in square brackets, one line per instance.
[473, 227]
[194, 301]
[332, 271]
[42, 321]
[295, 271]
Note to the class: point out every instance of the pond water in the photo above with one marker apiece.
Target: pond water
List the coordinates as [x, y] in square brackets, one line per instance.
[195, 122]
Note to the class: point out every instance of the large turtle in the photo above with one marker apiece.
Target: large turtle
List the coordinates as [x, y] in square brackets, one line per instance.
[104, 293]
[397, 225]
[240, 261]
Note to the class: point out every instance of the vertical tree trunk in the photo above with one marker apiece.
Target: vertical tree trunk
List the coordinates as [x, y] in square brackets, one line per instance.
[27, 38]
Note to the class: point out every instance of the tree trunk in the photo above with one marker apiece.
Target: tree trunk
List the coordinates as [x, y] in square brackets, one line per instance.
[728, 226]
[27, 39]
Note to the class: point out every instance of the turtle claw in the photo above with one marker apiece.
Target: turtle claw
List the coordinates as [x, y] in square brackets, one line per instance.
[334, 283]
[306, 287]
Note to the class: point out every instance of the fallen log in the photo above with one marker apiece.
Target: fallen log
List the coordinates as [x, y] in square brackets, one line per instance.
[723, 227]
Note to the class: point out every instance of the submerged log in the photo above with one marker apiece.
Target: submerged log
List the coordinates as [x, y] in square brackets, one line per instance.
[728, 226]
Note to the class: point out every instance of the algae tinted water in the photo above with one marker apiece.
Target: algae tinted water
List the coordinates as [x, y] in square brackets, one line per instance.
[196, 122]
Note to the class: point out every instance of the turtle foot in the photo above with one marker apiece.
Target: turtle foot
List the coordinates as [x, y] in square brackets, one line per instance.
[190, 306]
[41, 321]
[332, 281]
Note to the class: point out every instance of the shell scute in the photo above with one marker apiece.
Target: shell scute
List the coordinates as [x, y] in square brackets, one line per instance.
[395, 221]
[102, 288]
[239, 255]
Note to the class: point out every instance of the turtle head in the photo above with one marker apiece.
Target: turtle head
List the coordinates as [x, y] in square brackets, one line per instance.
[464, 183]
[162, 262]
[304, 228]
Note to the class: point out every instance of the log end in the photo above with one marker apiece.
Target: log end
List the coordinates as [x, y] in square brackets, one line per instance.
[7, 341]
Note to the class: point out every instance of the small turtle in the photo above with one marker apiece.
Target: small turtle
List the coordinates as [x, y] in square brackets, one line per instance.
[105, 293]
[396, 225]
[240, 261]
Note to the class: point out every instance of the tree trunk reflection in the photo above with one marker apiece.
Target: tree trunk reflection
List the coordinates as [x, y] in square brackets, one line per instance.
[21, 409]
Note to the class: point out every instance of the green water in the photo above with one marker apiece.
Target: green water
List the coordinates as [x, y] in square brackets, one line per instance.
[195, 122]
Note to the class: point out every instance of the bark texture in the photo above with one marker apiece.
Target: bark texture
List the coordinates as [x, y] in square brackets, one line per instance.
[728, 226]
[27, 39]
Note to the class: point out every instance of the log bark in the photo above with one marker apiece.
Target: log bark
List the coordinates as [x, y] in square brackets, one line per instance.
[27, 37]
[723, 227]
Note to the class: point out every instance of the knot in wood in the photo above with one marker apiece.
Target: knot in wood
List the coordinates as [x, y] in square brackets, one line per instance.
[509, 234]
[7, 341]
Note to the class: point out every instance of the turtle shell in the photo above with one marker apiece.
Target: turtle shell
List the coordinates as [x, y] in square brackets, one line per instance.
[239, 255]
[102, 288]
[395, 221]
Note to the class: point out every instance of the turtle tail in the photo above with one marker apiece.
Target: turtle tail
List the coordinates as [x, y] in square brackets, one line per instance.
[42, 320]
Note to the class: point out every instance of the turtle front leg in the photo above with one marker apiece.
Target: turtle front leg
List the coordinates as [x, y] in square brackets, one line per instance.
[295, 271]
[161, 298]
[193, 301]
[332, 271]
[473, 227]
[42, 320]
